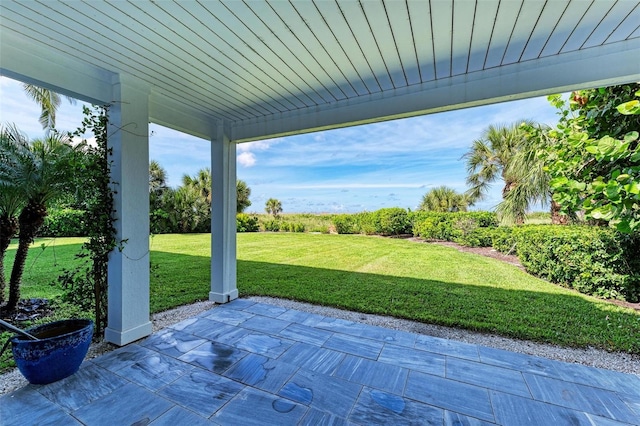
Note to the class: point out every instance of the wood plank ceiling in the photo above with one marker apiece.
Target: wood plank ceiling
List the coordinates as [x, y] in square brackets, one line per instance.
[243, 60]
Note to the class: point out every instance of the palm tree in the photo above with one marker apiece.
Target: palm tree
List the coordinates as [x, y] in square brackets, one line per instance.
[242, 196]
[49, 102]
[444, 199]
[490, 158]
[40, 172]
[157, 177]
[13, 146]
[273, 206]
[533, 185]
[201, 182]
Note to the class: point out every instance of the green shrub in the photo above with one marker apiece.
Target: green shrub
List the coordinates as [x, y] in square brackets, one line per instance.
[345, 224]
[246, 223]
[292, 227]
[64, 223]
[272, 225]
[592, 260]
[503, 239]
[365, 223]
[460, 227]
[477, 237]
[391, 221]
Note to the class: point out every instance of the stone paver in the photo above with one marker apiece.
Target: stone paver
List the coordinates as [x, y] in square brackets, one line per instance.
[251, 363]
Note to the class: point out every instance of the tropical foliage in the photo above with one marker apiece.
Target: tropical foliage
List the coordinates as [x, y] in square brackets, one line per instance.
[186, 208]
[36, 173]
[593, 156]
[444, 199]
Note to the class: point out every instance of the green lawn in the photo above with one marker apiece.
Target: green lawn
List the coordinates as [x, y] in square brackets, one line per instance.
[395, 277]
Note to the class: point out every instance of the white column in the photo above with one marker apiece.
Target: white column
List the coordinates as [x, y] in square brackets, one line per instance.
[128, 137]
[223, 217]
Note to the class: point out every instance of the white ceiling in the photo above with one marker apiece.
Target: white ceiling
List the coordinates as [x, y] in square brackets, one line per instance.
[279, 67]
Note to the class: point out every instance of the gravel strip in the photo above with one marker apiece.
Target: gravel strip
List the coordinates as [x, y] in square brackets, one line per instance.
[616, 361]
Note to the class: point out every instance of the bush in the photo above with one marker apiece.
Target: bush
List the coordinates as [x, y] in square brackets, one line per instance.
[292, 227]
[477, 237]
[461, 227]
[365, 223]
[64, 223]
[272, 225]
[592, 260]
[503, 239]
[246, 223]
[391, 221]
[345, 224]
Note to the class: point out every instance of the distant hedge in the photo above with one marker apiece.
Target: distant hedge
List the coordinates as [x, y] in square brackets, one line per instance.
[467, 228]
[64, 223]
[389, 221]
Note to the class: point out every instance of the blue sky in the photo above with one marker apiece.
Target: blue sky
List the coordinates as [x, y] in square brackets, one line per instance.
[389, 164]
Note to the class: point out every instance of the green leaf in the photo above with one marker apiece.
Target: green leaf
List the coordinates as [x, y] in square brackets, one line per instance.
[631, 136]
[612, 191]
[624, 227]
[632, 188]
[629, 108]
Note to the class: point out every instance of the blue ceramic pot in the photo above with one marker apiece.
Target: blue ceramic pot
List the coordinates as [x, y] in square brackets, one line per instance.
[58, 354]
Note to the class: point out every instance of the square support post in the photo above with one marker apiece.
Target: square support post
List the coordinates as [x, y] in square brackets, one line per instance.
[128, 137]
[223, 217]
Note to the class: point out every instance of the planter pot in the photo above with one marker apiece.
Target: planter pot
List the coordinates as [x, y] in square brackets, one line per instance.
[58, 354]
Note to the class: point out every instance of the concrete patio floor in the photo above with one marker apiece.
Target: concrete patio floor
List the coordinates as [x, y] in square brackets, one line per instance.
[247, 363]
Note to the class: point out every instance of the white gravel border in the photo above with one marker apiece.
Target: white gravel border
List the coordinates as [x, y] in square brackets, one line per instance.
[616, 361]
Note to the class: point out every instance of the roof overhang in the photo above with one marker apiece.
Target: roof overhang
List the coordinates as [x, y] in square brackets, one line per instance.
[269, 69]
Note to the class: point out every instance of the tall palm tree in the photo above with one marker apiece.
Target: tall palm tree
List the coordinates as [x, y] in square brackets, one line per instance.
[242, 196]
[14, 145]
[489, 158]
[533, 185]
[49, 102]
[273, 206]
[444, 199]
[41, 173]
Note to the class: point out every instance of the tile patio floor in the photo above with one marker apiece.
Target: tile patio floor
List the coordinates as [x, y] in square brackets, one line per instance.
[247, 363]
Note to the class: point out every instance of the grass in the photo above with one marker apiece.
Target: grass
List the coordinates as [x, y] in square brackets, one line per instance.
[421, 282]
[312, 222]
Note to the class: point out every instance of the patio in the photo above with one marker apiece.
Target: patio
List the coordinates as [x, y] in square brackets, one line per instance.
[252, 363]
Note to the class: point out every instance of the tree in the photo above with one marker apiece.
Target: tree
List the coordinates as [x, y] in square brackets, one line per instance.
[594, 155]
[242, 196]
[13, 146]
[444, 199]
[491, 157]
[49, 102]
[40, 171]
[527, 166]
[201, 182]
[157, 177]
[273, 206]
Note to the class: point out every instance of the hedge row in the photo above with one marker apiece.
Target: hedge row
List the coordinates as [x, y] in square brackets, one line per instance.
[592, 260]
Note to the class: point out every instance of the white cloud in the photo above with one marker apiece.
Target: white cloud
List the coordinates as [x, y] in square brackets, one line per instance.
[262, 145]
[247, 159]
